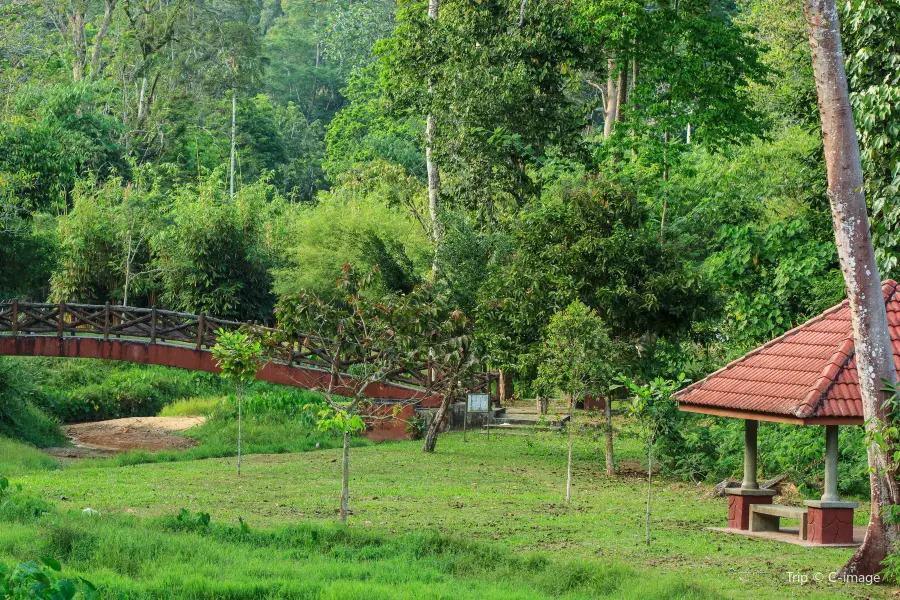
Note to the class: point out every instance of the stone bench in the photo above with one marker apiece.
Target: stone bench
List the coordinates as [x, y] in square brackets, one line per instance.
[767, 517]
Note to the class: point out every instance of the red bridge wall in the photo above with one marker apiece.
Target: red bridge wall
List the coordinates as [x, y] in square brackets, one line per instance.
[184, 357]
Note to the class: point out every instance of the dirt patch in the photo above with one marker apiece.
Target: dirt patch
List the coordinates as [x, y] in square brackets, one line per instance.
[105, 438]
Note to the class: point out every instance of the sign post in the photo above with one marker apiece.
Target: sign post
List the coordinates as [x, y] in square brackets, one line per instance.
[476, 403]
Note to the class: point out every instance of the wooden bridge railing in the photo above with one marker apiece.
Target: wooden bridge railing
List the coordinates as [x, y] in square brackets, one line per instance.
[169, 327]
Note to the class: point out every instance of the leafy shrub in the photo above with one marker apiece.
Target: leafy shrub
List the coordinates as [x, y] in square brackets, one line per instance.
[186, 520]
[18, 506]
[80, 390]
[711, 448]
[273, 406]
[415, 427]
[33, 580]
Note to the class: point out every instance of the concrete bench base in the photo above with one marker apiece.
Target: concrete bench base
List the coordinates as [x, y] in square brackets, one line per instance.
[739, 503]
[767, 517]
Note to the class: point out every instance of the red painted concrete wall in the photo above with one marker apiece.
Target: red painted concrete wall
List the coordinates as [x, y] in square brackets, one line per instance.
[185, 357]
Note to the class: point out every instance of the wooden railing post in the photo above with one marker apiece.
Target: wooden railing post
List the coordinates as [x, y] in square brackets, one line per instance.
[201, 325]
[153, 324]
[14, 321]
[60, 322]
[106, 322]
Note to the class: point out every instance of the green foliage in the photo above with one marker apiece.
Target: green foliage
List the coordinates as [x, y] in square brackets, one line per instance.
[20, 415]
[185, 520]
[214, 258]
[27, 245]
[652, 406]
[578, 354]
[365, 130]
[502, 95]
[374, 217]
[702, 448]
[586, 239]
[873, 67]
[18, 457]
[238, 355]
[774, 279]
[332, 418]
[75, 390]
[468, 257]
[39, 581]
[59, 133]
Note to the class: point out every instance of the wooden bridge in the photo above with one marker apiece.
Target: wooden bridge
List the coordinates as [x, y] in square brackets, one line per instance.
[173, 339]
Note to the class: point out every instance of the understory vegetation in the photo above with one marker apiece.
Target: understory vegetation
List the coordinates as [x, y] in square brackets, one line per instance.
[207, 559]
[403, 535]
[589, 198]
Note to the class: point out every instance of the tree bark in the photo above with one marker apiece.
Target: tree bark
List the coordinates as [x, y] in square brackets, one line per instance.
[101, 35]
[610, 461]
[874, 356]
[434, 176]
[345, 472]
[79, 43]
[505, 385]
[622, 88]
[612, 97]
[434, 428]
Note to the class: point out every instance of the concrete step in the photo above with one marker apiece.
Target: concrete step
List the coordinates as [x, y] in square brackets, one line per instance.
[522, 427]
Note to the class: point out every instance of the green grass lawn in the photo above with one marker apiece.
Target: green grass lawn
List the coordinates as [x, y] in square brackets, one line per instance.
[504, 492]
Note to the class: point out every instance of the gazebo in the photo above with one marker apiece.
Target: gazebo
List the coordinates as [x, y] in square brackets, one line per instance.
[805, 377]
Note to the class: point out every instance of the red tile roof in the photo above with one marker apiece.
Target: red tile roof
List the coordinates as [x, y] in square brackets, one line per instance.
[806, 375]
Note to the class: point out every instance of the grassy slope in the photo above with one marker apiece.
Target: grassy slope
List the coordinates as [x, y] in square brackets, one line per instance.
[506, 490]
[161, 559]
[17, 458]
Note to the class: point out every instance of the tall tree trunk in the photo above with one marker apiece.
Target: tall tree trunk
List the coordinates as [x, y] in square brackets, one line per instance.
[434, 428]
[128, 258]
[79, 43]
[610, 460]
[108, 10]
[233, 136]
[434, 176]
[345, 473]
[612, 97]
[522, 12]
[142, 103]
[505, 386]
[635, 71]
[874, 356]
[622, 89]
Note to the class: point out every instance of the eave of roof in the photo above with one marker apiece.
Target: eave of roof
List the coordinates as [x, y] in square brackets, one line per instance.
[806, 376]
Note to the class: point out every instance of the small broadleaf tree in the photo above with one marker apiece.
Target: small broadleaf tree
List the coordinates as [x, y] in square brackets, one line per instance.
[354, 336]
[239, 357]
[653, 409]
[577, 359]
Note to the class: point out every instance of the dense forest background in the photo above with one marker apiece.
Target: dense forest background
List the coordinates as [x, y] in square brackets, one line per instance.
[660, 162]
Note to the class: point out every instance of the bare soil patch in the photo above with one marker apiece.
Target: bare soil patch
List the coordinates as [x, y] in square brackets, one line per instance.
[105, 438]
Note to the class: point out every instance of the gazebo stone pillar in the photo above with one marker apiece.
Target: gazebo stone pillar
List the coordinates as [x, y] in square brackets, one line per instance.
[740, 499]
[831, 519]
